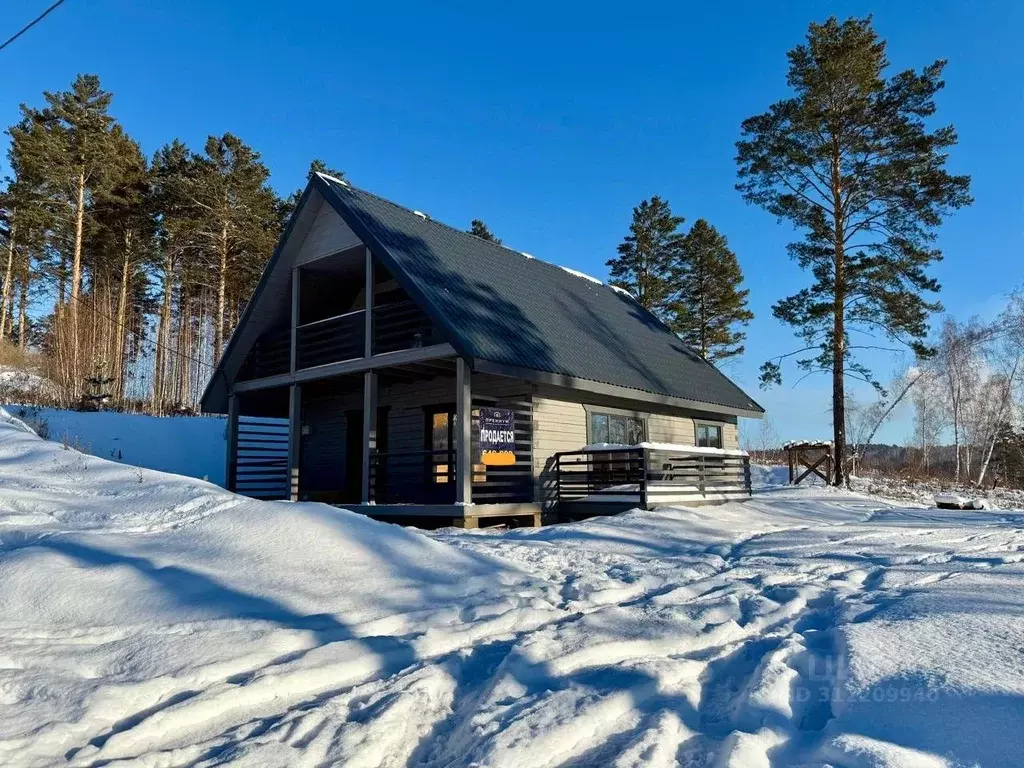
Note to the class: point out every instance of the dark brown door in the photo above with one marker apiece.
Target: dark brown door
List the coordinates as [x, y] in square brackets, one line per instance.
[353, 487]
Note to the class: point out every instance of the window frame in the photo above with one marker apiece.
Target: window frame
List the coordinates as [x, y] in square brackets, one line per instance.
[592, 410]
[697, 424]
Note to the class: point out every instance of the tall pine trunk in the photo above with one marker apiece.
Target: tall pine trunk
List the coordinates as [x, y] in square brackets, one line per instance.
[218, 331]
[76, 282]
[122, 311]
[838, 326]
[6, 297]
[23, 305]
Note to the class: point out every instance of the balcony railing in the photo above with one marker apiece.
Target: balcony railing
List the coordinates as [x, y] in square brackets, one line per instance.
[331, 340]
[402, 325]
[396, 326]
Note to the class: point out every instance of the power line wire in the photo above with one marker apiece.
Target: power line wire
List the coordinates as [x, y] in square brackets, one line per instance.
[156, 344]
[31, 24]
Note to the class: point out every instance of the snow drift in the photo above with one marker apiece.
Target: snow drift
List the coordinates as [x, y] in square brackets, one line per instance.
[149, 619]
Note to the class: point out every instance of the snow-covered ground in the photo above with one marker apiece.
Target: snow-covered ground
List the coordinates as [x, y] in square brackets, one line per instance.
[153, 620]
[186, 445]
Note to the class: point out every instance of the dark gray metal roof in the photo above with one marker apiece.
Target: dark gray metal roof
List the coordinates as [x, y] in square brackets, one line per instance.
[501, 306]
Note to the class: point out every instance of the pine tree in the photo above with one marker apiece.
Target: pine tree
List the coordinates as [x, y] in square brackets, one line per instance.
[68, 146]
[289, 204]
[123, 246]
[173, 174]
[239, 223]
[481, 230]
[709, 305]
[849, 160]
[23, 226]
[647, 255]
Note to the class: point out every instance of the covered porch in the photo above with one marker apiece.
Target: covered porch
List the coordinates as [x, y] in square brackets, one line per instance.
[371, 409]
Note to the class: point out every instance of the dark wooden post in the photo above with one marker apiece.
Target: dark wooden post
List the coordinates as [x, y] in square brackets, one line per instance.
[369, 429]
[230, 468]
[702, 475]
[368, 318]
[557, 458]
[294, 339]
[644, 463]
[294, 439]
[464, 434]
[746, 476]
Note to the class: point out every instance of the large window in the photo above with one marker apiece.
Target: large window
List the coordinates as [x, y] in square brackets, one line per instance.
[615, 428]
[709, 436]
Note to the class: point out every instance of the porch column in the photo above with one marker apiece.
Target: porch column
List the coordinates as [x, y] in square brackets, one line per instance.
[368, 317]
[369, 428]
[294, 342]
[231, 465]
[294, 439]
[463, 434]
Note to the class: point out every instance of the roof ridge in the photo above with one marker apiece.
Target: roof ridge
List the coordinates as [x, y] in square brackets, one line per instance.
[426, 217]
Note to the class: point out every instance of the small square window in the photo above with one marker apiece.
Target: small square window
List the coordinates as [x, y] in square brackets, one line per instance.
[709, 436]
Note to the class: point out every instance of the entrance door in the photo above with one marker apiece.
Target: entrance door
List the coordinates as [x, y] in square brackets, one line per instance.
[439, 469]
[353, 489]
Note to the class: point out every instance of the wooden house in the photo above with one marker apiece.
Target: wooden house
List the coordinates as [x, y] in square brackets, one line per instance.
[426, 372]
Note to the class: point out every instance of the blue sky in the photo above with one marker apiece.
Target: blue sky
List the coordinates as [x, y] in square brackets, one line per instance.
[547, 120]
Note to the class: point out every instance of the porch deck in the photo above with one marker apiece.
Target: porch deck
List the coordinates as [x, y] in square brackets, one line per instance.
[606, 481]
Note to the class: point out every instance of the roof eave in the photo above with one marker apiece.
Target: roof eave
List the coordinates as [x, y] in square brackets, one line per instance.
[613, 390]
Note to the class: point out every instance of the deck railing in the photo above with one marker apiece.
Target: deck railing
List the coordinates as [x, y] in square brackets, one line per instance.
[412, 477]
[649, 477]
[400, 325]
[428, 477]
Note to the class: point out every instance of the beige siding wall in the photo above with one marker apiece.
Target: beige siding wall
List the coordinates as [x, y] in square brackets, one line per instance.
[662, 428]
[560, 424]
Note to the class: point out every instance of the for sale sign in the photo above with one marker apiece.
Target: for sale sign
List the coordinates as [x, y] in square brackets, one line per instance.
[497, 437]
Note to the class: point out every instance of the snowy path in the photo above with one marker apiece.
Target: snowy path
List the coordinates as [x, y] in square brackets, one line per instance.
[162, 622]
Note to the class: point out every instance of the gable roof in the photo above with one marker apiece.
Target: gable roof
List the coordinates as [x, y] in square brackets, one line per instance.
[520, 314]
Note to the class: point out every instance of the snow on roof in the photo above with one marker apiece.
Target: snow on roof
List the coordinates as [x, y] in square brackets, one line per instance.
[328, 177]
[584, 275]
[623, 291]
[528, 255]
[807, 444]
[421, 214]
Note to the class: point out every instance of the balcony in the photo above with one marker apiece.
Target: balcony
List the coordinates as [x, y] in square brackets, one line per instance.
[396, 326]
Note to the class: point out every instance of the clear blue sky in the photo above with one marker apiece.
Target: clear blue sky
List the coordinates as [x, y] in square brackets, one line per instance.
[547, 120]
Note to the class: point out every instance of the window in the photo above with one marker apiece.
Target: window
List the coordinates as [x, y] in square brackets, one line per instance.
[616, 428]
[709, 436]
[440, 437]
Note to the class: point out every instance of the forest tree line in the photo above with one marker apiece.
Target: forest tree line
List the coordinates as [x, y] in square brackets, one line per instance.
[141, 265]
